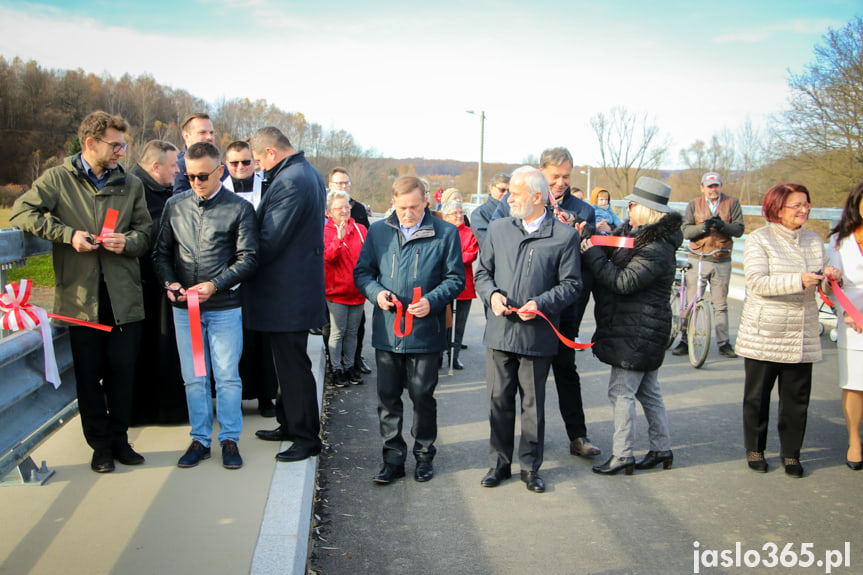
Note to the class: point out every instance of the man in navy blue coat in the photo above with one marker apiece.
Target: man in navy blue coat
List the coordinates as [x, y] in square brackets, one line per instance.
[286, 296]
[415, 259]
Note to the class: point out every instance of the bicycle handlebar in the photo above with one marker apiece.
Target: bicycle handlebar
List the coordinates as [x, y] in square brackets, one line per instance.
[704, 255]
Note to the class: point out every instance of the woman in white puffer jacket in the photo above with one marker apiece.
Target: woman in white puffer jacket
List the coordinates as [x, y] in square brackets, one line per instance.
[779, 332]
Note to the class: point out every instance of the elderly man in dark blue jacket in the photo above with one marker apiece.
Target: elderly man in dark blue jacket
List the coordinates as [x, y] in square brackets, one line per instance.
[556, 165]
[411, 267]
[527, 263]
[286, 296]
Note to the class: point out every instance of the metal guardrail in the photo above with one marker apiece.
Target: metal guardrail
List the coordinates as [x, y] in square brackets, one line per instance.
[30, 409]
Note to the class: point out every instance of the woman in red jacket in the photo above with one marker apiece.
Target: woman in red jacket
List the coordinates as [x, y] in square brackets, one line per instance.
[453, 213]
[343, 240]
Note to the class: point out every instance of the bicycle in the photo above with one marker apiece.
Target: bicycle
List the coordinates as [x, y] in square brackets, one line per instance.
[697, 313]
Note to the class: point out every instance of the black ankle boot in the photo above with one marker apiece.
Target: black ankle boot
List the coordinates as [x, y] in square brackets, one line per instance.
[654, 458]
[615, 464]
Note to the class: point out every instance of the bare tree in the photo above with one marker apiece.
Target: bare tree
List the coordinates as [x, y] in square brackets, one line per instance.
[823, 127]
[631, 146]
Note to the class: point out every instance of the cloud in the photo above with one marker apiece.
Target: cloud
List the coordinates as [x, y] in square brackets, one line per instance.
[806, 27]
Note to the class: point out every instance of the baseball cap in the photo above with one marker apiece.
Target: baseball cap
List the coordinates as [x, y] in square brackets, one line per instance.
[711, 178]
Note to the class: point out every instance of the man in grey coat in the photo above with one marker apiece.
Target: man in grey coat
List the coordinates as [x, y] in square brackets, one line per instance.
[526, 264]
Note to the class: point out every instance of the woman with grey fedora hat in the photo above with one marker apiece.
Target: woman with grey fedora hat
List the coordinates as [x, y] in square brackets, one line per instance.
[633, 320]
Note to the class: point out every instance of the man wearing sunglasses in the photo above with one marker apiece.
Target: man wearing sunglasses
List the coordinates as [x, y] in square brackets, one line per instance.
[99, 277]
[196, 127]
[207, 243]
[245, 182]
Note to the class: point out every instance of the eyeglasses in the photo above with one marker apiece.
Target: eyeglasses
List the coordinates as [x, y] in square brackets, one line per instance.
[115, 147]
[343, 183]
[237, 163]
[499, 189]
[201, 177]
[798, 207]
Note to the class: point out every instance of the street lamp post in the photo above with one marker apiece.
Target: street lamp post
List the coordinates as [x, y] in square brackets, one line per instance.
[481, 146]
[587, 191]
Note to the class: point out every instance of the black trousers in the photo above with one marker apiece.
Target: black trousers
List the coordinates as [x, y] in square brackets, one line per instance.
[256, 367]
[507, 374]
[297, 404]
[569, 384]
[795, 383]
[104, 364]
[418, 373]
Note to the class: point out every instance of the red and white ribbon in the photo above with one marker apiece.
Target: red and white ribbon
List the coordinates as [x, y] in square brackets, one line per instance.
[845, 303]
[18, 314]
[409, 317]
[109, 224]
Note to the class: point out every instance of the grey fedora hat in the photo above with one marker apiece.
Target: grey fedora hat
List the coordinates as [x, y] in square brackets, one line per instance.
[651, 193]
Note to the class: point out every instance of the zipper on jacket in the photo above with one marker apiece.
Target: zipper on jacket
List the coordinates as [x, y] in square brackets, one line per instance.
[393, 268]
[416, 263]
[529, 258]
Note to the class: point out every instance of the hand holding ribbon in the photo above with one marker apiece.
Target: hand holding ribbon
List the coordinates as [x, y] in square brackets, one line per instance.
[409, 316]
[526, 313]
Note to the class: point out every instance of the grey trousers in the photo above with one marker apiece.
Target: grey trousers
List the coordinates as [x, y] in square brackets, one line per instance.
[624, 387]
[344, 324]
[718, 275]
[507, 374]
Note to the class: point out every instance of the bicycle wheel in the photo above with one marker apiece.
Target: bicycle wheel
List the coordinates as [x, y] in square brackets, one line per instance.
[699, 333]
[675, 319]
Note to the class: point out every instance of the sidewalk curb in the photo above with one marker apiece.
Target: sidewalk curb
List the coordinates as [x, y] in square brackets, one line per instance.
[283, 541]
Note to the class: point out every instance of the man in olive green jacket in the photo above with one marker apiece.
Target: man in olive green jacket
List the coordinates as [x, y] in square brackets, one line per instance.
[97, 276]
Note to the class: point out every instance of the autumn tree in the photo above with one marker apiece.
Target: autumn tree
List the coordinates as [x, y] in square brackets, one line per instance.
[630, 145]
[822, 130]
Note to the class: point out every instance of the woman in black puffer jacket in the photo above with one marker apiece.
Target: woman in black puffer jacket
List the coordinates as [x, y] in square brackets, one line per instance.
[633, 320]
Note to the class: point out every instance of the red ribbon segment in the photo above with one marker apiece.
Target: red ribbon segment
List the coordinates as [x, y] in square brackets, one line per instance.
[846, 303]
[409, 318]
[613, 241]
[197, 338]
[110, 223]
[567, 342]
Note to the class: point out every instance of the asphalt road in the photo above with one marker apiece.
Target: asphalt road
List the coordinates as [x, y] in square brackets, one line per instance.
[653, 522]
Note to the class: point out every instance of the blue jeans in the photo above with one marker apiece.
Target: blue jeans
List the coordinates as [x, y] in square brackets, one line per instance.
[222, 331]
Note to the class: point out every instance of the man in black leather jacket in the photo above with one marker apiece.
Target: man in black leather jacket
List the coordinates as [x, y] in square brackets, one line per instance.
[207, 244]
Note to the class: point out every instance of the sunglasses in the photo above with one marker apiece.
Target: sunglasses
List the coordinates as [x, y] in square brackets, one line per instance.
[238, 162]
[201, 177]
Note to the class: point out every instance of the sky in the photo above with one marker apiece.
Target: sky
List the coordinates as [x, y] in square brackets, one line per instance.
[400, 75]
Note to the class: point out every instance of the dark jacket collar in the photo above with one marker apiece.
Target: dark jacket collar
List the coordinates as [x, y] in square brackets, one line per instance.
[149, 183]
[273, 172]
[426, 229]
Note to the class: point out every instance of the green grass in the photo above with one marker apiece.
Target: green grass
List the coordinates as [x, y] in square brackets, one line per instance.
[40, 269]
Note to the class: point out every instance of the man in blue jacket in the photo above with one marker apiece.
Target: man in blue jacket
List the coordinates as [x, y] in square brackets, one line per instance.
[286, 296]
[411, 267]
[527, 263]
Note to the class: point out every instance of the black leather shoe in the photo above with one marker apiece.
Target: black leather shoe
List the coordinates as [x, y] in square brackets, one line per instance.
[298, 452]
[424, 471]
[494, 476]
[266, 408]
[363, 366]
[316, 331]
[276, 434]
[582, 447]
[855, 465]
[681, 349]
[793, 467]
[464, 346]
[755, 461]
[654, 458]
[126, 455]
[389, 473]
[533, 480]
[457, 364]
[103, 461]
[615, 464]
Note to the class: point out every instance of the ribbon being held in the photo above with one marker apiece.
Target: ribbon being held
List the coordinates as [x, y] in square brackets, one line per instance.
[845, 303]
[409, 318]
[613, 241]
[198, 361]
[19, 314]
[567, 342]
